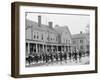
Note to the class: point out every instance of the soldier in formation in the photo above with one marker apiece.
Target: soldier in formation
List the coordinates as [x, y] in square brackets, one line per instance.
[54, 56]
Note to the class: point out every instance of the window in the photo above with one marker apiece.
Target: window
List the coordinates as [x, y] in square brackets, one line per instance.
[37, 35]
[69, 41]
[66, 41]
[56, 38]
[87, 46]
[74, 42]
[34, 36]
[81, 41]
[48, 37]
[81, 47]
[42, 36]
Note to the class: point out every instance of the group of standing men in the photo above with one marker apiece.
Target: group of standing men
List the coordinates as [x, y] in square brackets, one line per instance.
[51, 57]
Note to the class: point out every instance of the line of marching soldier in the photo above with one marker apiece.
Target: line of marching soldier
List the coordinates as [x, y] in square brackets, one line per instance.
[51, 57]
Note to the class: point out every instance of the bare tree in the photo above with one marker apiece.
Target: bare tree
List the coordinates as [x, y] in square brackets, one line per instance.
[87, 30]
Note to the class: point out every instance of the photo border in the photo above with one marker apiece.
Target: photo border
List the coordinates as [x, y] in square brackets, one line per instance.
[15, 32]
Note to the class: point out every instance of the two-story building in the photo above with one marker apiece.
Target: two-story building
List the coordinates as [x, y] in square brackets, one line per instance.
[80, 42]
[44, 38]
[40, 38]
[48, 38]
[65, 38]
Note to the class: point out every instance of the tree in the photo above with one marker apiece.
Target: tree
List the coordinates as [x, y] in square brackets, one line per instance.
[87, 30]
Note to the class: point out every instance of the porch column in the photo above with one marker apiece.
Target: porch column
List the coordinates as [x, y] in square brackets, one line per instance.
[36, 48]
[43, 47]
[46, 48]
[64, 48]
[28, 48]
[52, 48]
[57, 48]
[39, 48]
[71, 48]
[61, 48]
[67, 48]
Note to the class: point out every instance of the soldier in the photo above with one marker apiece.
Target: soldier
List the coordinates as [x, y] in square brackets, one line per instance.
[43, 57]
[70, 56]
[87, 52]
[75, 56]
[65, 57]
[80, 55]
[51, 57]
[40, 57]
[47, 57]
[29, 59]
[36, 58]
[56, 56]
[60, 56]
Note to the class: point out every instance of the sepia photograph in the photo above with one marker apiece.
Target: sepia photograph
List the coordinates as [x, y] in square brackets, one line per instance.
[57, 39]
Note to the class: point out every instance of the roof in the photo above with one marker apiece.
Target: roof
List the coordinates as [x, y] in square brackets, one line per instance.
[61, 29]
[81, 35]
[34, 25]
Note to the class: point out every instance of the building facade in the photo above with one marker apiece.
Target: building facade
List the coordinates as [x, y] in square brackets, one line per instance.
[65, 37]
[80, 42]
[44, 38]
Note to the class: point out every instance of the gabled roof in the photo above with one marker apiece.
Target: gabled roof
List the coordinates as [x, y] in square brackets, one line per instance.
[34, 25]
[76, 36]
[61, 29]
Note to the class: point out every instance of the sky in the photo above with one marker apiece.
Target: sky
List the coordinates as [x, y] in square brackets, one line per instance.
[75, 23]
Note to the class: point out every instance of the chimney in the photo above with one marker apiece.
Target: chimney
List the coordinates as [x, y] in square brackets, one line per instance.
[50, 24]
[80, 32]
[39, 21]
[56, 25]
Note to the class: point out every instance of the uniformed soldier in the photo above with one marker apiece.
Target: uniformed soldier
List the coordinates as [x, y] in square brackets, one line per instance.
[70, 56]
[75, 56]
[60, 56]
[65, 56]
[47, 57]
[56, 56]
[80, 55]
